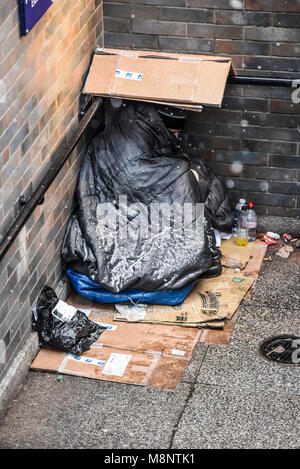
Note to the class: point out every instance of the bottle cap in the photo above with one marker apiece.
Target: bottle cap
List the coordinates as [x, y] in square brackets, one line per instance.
[250, 205]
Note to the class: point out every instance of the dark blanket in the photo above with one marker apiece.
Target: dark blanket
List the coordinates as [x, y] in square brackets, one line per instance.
[119, 235]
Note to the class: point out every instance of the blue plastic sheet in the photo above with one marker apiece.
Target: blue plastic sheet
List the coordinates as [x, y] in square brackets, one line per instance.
[83, 285]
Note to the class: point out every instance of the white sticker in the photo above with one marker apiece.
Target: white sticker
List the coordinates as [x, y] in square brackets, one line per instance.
[109, 327]
[88, 360]
[128, 75]
[116, 364]
[63, 311]
[178, 352]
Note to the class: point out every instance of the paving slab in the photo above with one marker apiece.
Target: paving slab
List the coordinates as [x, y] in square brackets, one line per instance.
[251, 314]
[241, 366]
[218, 417]
[279, 281]
[82, 413]
[192, 370]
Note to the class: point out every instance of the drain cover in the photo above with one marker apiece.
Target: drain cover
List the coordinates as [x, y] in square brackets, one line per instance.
[282, 349]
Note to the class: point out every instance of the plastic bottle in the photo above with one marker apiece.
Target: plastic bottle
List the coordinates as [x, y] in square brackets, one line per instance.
[236, 213]
[242, 231]
[252, 222]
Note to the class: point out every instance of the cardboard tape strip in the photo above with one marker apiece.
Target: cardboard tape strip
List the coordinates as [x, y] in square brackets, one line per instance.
[68, 372]
[150, 370]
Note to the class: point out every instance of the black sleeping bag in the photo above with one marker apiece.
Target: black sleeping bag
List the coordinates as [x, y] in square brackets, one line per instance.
[144, 210]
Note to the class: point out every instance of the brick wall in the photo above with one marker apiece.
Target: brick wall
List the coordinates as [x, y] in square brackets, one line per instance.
[40, 80]
[253, 141]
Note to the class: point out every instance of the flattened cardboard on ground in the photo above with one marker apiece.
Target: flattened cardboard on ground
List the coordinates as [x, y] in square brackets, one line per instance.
[256, 258]
[235, 256]
[141, 354]
[171, 78]
[109, 364]
[249, 257]
[218, 337]
[191, 312]
[148, 338]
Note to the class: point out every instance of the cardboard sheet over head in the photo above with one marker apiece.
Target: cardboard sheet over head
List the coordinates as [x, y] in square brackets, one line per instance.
[186, 79]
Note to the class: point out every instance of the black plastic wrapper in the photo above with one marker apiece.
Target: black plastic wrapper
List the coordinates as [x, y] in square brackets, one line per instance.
[137, 159]
[74, 335]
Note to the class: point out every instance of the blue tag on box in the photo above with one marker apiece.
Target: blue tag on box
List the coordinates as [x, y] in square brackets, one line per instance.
[30, 13]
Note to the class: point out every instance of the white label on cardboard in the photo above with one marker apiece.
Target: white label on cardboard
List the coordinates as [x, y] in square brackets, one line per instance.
[116, 364]
[178, 352]
[128, 75]
[63, 311]
[87, 360]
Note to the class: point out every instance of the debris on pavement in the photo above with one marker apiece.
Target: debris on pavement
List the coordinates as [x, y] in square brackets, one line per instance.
[287, 237]
[269, 241]
[62, 326]
[284, 251]
[270, 234]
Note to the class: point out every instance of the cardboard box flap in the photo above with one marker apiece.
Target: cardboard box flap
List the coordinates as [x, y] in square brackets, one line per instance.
[166, 55]
[186, 79]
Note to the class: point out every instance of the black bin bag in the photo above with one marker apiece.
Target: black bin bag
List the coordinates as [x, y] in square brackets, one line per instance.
[131, 166]
[62, 326]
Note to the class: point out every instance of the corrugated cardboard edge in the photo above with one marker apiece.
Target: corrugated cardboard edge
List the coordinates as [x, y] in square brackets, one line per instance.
[165, 55]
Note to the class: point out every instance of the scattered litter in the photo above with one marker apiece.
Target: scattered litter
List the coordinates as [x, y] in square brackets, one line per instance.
[60, 378]
[264, 314]
[268, 240]
[238, 279]
[284, 252]
[287, 237]
[267, 258]
[278, 349]
[62, 326]
[298, 244]
[237, 269]
[270, 234]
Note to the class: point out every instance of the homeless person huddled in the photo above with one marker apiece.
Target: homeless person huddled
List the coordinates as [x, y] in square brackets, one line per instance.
[144, 210]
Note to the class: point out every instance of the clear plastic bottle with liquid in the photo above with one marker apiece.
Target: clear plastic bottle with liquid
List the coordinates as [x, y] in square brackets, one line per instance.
[252, 222]
[236, 214]
[242, 231]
